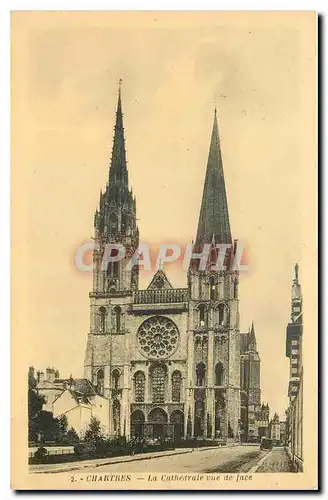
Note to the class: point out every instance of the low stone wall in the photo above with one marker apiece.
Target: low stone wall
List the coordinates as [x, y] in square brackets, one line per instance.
[52, 450]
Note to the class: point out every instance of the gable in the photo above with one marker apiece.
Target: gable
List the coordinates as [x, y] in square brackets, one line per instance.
[159, 281]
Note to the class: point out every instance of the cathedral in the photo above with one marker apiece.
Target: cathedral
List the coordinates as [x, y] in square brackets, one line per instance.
[167, 359]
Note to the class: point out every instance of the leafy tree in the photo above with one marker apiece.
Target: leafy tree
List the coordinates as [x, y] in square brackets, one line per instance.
[63, 424]
[72, 436]
[48, 426]
[35, 403]
[93, 432]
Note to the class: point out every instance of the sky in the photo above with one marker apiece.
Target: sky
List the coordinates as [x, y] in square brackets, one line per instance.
[258, 71]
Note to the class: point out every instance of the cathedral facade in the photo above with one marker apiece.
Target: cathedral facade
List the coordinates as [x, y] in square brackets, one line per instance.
[167, 359]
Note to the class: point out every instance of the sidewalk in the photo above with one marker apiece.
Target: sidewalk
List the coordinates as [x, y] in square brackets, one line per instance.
[84, 464]
[276, 461]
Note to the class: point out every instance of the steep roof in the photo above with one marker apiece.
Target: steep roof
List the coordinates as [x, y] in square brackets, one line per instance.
[214, 224]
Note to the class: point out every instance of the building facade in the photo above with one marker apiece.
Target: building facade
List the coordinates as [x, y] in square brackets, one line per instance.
[294, 338]
[77, 399]
[275, 429]
[79, 406]
[254, 416]
[167, 359]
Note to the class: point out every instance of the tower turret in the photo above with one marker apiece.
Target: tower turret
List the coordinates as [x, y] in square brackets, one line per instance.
[213, 305]
[115, 220]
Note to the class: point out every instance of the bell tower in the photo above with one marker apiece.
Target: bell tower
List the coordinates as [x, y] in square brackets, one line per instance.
[115, 222]
[214, 360]
[115, 234]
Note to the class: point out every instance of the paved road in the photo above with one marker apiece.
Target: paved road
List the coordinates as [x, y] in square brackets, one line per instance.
[235, 459]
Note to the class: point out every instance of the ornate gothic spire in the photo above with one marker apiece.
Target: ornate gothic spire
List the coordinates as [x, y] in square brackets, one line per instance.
[214, 216]
[118, 171]
[117, 206]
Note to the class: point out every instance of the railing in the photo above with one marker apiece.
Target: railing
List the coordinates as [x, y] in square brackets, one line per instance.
[162, 296]
[106, 295]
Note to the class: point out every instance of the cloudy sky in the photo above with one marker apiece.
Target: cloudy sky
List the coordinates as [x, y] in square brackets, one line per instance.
[257, 68]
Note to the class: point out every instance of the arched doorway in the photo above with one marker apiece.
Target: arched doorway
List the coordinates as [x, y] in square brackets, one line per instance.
[177, 419]
[158, 419]
[137, 423]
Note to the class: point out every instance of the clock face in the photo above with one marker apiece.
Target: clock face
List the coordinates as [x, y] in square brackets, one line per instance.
[158, 337]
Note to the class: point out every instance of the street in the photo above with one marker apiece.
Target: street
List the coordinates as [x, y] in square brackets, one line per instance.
[230, 459]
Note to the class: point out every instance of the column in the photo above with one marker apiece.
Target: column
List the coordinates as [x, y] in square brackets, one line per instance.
[190, 378]
[147, 380]
[126, 390]
[168, 396]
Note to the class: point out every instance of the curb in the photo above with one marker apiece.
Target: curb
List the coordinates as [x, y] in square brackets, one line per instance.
[93, 466]
[138, 458]
[263, 459]
[217, 447]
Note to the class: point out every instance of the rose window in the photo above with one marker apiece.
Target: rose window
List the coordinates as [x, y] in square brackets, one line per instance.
[158, 337]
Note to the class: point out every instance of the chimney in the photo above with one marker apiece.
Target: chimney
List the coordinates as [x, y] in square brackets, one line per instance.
[50, 374]
[41, 377]
[56, 374]
[31, 371]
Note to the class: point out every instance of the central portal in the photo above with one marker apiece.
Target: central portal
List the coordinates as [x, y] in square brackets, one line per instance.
[157, 418]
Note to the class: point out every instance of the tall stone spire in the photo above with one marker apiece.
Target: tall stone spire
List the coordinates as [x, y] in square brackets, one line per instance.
[117, 206]
[118, 171]
[214, 216]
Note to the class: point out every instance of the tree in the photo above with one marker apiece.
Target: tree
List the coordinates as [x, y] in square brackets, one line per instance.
[48, 426]
[63, 424]
[35, 403]
[72, 436]
[93, 432]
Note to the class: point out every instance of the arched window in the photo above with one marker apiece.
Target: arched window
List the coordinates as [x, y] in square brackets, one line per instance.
[125, 222]
[102, 312]
[139, 387]
[112, 269]
[116, 379]
[200, 374]
[117, 316]
[100, 381]
[202, 315]
[158, 383]
[116, 416]
[219, 374]
[113, 224]
[221, 314]
[176, 386]
[235, 289]
[213, 289]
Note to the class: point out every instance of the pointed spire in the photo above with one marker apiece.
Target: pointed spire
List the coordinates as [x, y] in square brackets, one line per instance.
[214, 215]
[296, 296]
[118, 169]
[252, 338]
[296, 287]
[117, 193]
